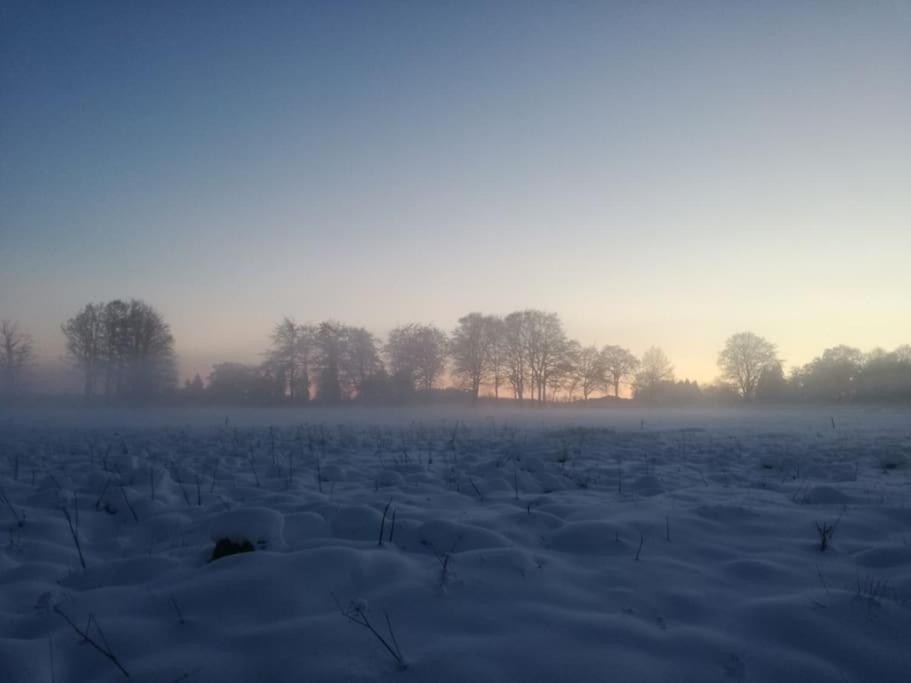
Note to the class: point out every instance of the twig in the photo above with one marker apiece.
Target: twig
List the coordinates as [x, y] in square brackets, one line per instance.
[825, 532]
[356, 613]
[443, 559]
[103, 649]
[129, 505]
[180, 619]
[383, 522]
[20, 519]
[74, 527]
[476, 490]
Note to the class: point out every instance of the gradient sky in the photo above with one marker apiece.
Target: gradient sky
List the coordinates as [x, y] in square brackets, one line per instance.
[657, 173]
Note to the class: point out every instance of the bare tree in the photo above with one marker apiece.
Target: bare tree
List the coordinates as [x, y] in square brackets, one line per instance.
[16, 355]
[432, 349]
[329, 343]
[470, 347]
[497, 366]
[590, 371]
[417, 355]
[114, 335]
[129, 342]
[515, 352]
[744, 358]
[85, 344]
[619, 364]
[654, 369]
[564, 373]
[399, 353]
[148, 352]
[292, 352]
[545, 346]
[360, 359]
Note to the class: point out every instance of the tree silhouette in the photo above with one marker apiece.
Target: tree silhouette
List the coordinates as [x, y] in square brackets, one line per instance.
[16, 355]
[292, 352]
[360, 361]
[592, 372]
[127, 343]
[85, 344]
[833, 375]
[545, 349]
[417, 355]
[744, 358]
[654, 370]
[772, 384]
[619, 364]
[471, 347]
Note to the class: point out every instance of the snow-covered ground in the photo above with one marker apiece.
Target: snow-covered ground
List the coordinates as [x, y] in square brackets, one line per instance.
[557, 545]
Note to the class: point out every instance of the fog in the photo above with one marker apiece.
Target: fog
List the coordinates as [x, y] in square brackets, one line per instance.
[825, 419]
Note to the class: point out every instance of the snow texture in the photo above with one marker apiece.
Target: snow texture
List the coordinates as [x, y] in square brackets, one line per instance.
[554, 545]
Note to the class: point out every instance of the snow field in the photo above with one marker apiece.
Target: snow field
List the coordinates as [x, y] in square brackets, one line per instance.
[510, 547]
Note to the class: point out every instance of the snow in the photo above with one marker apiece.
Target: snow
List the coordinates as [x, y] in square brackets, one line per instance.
[534, 545]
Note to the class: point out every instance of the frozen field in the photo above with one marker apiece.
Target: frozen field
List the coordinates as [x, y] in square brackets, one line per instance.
[558, 545]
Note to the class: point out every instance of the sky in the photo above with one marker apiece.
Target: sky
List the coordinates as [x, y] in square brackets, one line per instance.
[658, 173]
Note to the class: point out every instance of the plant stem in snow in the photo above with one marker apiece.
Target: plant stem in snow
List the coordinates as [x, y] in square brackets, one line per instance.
[357, 614]
[20, 518]
[180, 619]
[74, 528]
[129, 505]
[383, 522]
[104, 649]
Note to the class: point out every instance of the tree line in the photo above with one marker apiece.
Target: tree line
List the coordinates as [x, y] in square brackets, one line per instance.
[751, 370]
[525, 356]
[124, 350]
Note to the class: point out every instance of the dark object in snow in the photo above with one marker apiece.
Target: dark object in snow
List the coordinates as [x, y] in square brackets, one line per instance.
[228, 546]
[824, 532]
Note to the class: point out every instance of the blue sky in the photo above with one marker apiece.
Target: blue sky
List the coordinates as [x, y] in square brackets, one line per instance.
[658, 173]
